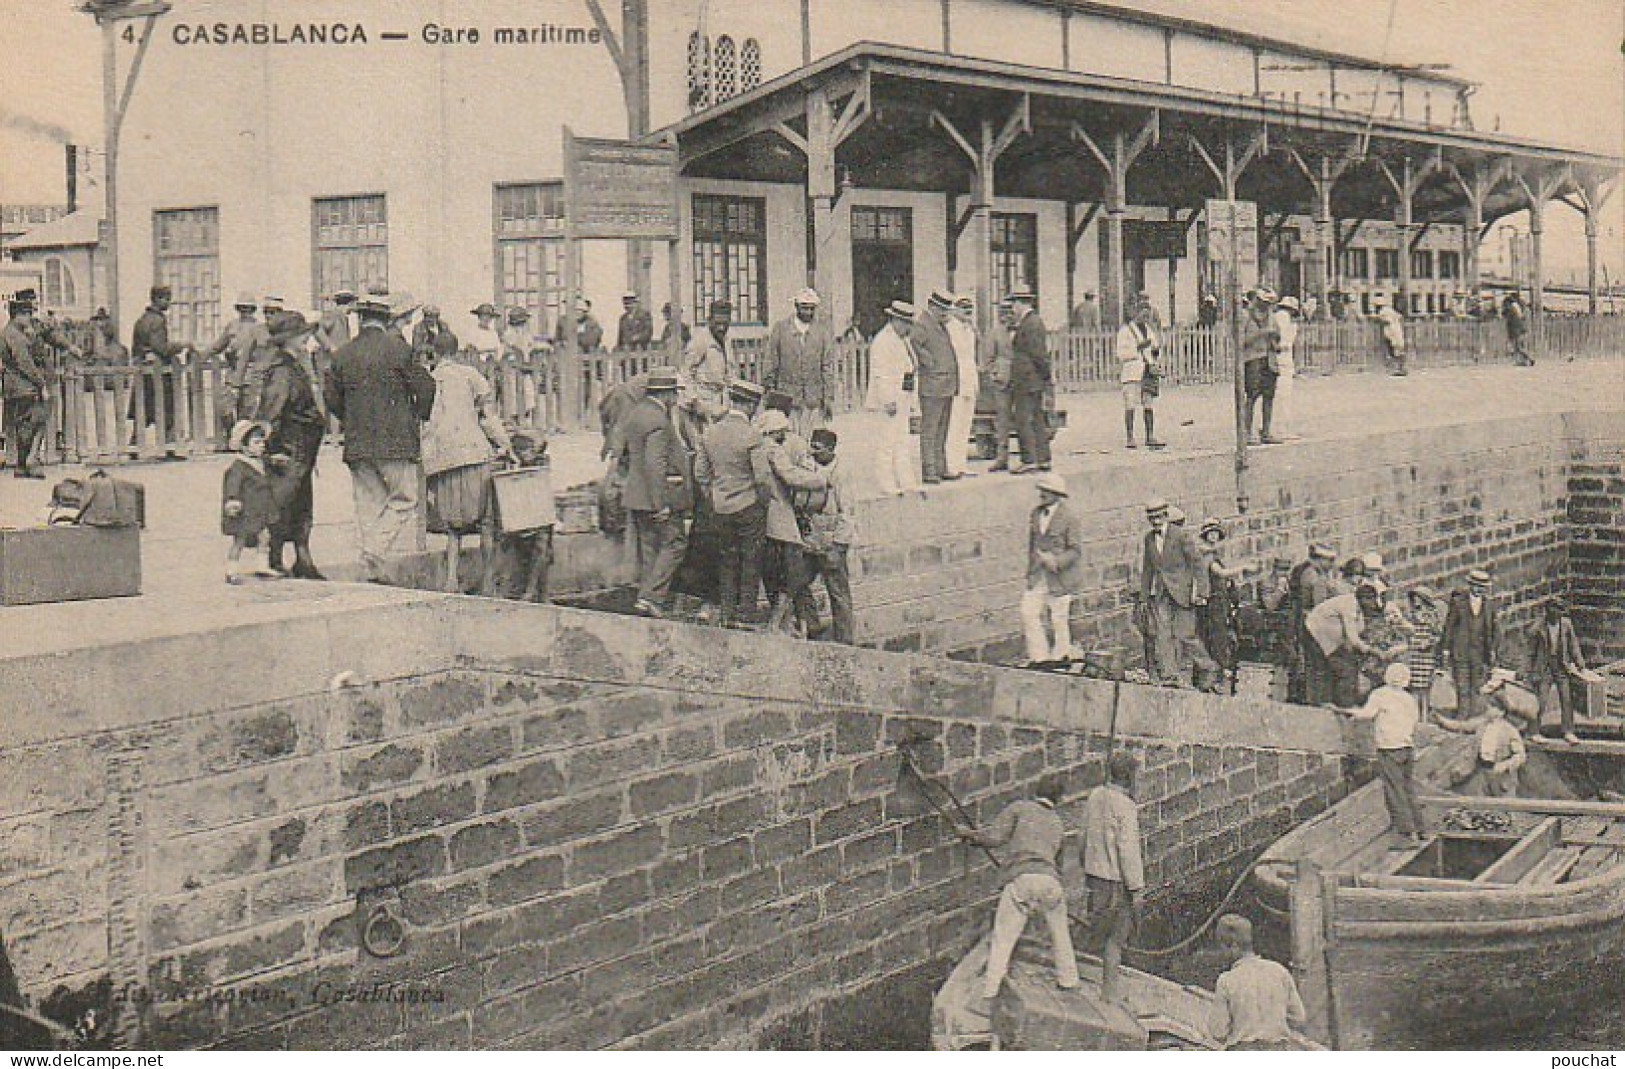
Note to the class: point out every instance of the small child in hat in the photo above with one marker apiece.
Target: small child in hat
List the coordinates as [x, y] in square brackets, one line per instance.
[246, 504]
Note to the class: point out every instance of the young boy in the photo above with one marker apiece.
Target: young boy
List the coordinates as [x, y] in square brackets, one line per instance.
[517, 566]
[246, 504]
[1395, 714]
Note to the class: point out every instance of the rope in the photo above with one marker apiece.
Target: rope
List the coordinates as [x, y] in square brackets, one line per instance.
[1150, 952]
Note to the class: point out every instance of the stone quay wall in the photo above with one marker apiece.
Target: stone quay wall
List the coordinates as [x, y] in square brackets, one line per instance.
[595, 831]
[945, 574]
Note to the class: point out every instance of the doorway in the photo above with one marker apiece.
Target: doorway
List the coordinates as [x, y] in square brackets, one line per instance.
[882, 263]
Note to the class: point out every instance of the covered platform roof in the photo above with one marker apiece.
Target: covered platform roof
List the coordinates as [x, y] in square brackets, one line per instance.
[902, 102]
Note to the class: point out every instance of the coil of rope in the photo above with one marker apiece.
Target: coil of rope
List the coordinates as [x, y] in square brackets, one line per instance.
[927, 781]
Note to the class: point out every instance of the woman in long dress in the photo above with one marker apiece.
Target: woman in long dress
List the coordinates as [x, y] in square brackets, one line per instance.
[288, 403]
[464, 432]
[1216, 620]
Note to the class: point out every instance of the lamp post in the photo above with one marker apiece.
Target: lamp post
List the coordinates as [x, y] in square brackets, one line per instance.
[109, 14]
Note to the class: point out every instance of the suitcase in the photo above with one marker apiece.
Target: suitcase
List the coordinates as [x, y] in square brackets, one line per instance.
[524, 500]
[39, 565]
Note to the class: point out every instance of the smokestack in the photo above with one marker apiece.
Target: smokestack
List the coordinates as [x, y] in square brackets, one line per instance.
[73, 178]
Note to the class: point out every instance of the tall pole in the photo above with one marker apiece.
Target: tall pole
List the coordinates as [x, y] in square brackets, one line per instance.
[1239, 379]
[108, 236]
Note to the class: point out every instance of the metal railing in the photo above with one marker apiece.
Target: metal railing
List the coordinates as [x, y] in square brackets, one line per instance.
[101, 413]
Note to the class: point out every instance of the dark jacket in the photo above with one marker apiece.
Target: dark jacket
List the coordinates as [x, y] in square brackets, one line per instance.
[24, 376]
[150, 338]
[288, 401]
[1180, 569]
[1468, 639]
[1547, 661]
[432, 337]
[381, 395]
[936, 368]
[1064, 539]
[657, 475]
[252, 488]
[635, 331]
[1029, 363]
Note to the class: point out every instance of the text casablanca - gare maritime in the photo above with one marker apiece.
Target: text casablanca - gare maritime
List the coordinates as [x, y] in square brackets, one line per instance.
[356, 33]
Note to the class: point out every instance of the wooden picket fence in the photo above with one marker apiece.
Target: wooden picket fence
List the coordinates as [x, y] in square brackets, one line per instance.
[101, 414]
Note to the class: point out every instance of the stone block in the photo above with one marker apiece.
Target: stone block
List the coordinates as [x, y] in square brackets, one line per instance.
[591, 766]
[486, 843]
[441, 700]
[715, 823]
[848, 821]
[523, 785]
[574, 818]
[530, 878]
[445, 803]
[386, 766]
[662, 793]
[474, 747]
[618, 853]
[695, 743]
[555, 729]
[727, 776]
[726, 860]
[392, 866]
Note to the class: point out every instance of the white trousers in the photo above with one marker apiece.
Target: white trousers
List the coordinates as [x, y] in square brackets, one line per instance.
[1281, 415]
[960, 414]
[387, 498]
[1038, 608]
[897, 470]
[1032, 892]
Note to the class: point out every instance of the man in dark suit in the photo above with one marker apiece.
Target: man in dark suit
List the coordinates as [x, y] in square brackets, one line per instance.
[381, 396]
[1555, 663]
[1471, 632]
[936, 380]
[658, 495]
[1029, 378]
[636, 328]
[1054, 573]
[151, 348]
[1173, 582]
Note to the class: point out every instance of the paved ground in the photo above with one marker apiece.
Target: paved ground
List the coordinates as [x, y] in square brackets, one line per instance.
[183, 551]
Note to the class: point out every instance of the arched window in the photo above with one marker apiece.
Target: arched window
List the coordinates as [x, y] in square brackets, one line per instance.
[59, 289]
[727, 73]
[699, 72]
[750, 65]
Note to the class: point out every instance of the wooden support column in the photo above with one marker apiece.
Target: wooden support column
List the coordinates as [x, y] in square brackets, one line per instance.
[1539, 188]
[1124, 151]
[1325, 270]
[1476, 185]
[1406, 183]
[1593, 191]
[827, 129]
[1077, 224]
[984, 158]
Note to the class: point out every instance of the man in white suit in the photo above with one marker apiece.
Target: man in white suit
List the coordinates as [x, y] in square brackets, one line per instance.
[890, 397]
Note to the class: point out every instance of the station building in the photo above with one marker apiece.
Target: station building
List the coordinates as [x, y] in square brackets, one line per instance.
[876, 150]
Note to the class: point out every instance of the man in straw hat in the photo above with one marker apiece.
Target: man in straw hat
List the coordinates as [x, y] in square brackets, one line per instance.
[1174, 583]
[936, 379]
[246, 344]
[1054, 573]
[658, 495]
[732, 468]
[1259, 342]
[889, 399]
[799, 361]
[382, 396]
[1394, 717]
[1472, 635]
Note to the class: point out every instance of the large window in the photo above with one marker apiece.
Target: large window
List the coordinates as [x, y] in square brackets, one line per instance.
[1356, 263]
[59, 288]
[890, 225]
[721, 68]
[1422, 263]
[1015, 254]
[730, 255]
[530, 250]
[350, 238]
[186, 258]
[1449, 264]
[1387, 263]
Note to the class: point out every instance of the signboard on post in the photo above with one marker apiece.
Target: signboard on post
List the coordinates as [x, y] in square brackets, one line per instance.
[1239, 218]
[616, 191]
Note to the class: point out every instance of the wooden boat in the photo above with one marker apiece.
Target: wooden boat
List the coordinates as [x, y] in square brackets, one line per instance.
[1511, 913]
[1031, 1013]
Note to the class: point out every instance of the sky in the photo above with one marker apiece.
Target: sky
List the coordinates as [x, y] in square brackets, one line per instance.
[1551, 70]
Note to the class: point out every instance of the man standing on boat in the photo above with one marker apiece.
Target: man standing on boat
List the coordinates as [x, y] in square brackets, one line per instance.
[1395, 714]
[1113, 865]
[1471, 633]
[1255, 1003]
[1030, 834]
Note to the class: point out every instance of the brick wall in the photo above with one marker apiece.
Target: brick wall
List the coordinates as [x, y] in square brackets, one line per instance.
[598, 831]
[1595, 531]
[945, 574]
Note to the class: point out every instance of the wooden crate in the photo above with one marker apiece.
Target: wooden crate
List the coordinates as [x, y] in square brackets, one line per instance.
[39, 565]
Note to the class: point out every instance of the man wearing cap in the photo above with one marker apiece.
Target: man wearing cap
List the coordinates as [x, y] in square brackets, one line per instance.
[830, 534]
[249, 353]
[1255, 1001]
[150, 347]
[1259, 344]
[1030, 376]
[962, 414]
[381, 396]
[334, 329]
[658, 495]
[796, 486]
[672, 328]
[994, 358]
[1557, 665]
[889, 398]
[1471, 638]
[1393, 334]
[799, 361]
[1173, 583]
[25, 380]
[433, 340]
[708, 361]
[1139, 352]
[936, 380]
[589, 333]
[1086, 316]
[1312, 581]
[106, 349]
[731, 467]
[1394, 717]
[1499, 746]
[636, 328]
[1054, 573]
